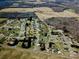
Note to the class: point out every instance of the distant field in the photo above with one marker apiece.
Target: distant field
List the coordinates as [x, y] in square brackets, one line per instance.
[42, 12]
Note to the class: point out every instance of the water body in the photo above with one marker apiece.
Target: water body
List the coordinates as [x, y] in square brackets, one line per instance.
[17, 4]
[5, 4]
[22, 4]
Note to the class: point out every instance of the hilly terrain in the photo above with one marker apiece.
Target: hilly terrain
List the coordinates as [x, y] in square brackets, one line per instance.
[39, 29]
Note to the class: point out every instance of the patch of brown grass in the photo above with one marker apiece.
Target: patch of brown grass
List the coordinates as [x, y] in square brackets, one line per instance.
[17, 53]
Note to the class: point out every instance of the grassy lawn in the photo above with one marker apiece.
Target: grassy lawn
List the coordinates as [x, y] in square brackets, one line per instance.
[2, 21]
[18, 53]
